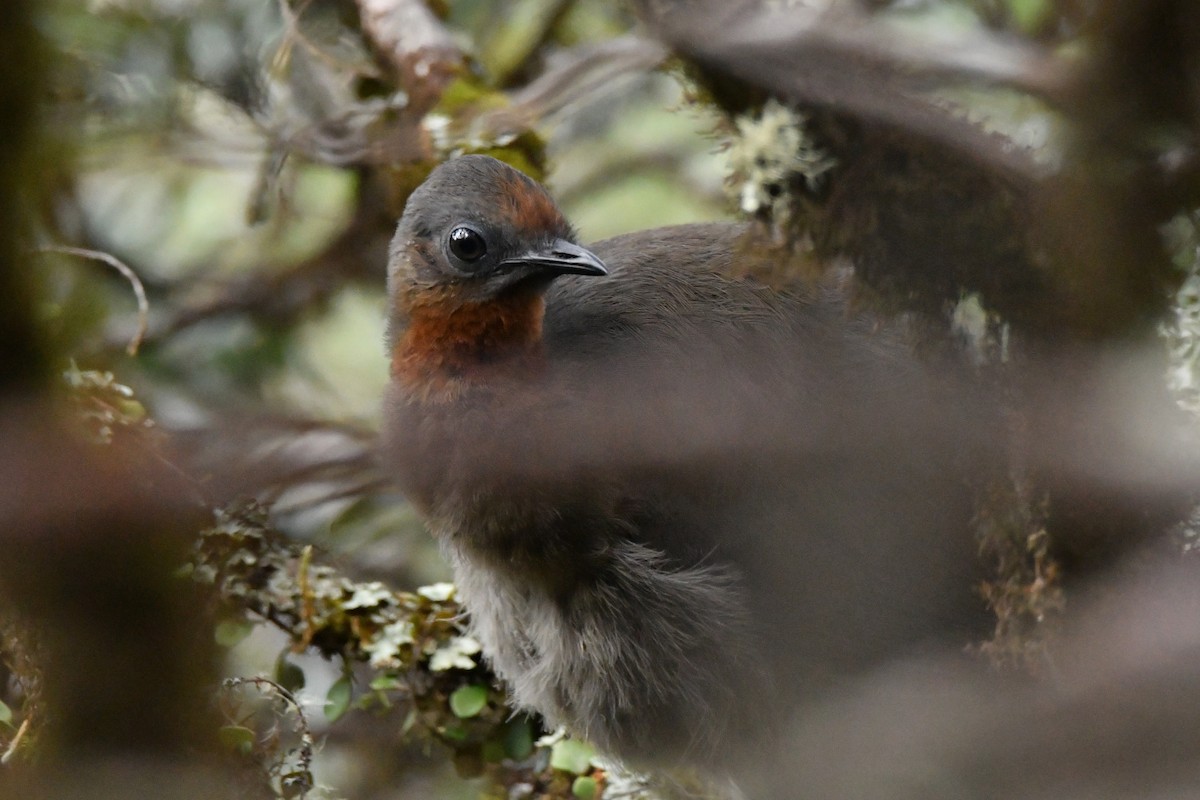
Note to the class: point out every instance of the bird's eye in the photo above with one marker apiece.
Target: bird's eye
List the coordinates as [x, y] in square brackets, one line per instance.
[467, 244]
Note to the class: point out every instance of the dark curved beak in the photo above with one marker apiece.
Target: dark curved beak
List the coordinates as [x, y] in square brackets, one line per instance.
[560, 257]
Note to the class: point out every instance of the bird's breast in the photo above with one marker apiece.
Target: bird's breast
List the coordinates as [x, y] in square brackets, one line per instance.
[449, 343]
[642, 658]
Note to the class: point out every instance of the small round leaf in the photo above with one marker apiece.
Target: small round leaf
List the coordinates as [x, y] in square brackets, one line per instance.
[338, 699]
[231, 631]
[385, 682]
[455, 733]
[572, 755]
[518, 738]
[289, 675]
[584, 787]
[468, 701]
[237, 738]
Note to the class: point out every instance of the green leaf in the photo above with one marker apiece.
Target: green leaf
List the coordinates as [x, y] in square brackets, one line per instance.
[584, 787]
[6, 714]
[385, 682]
[467, 701]
[518, 738]
[132, 410]
[237, 738]
[231, 631]
[355, 513]
[572, 755]
[455, 733]
[1030, 15]
[288, 674]
[492, 751]
[337, 701]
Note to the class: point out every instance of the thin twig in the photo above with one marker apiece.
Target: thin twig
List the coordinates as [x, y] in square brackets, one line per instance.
[548, 20]
[354, 255]
[15, 743]
[293, 35]
[353, 491]
[588, 69]
[307, 743]
[120, 266]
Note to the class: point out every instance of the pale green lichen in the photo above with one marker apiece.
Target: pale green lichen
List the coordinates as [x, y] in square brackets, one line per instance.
[104, 406]
[1025, 593]
[455, 654]
[368, 595]
[1182, 330]
[437, 592]
[384, 649]
[984, 334]
[771, 151]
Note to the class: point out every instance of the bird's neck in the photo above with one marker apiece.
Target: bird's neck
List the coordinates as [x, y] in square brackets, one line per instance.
[447, 344]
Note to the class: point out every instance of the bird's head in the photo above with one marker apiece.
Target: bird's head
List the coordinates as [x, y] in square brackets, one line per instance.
[476, 247]
[478, 229]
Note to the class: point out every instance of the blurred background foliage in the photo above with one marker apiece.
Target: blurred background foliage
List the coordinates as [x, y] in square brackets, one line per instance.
[235, 155]
[247, 160]
[212, 141]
